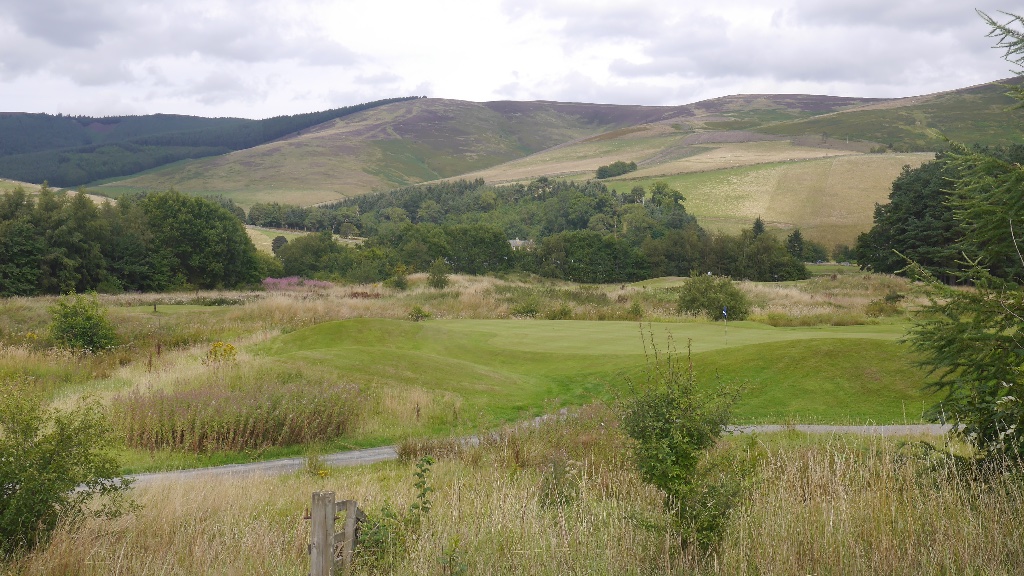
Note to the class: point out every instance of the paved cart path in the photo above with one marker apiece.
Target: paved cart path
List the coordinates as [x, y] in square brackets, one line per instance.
[382, 453]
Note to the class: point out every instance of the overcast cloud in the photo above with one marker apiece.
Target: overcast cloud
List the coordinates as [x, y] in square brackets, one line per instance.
[259, 59]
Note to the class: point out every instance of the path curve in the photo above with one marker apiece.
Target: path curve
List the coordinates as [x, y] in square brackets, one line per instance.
[384, 453]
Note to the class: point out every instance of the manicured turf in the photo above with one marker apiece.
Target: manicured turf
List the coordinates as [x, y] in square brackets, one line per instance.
[502, 370]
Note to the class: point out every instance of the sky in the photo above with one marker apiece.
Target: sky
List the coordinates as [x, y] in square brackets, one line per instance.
[255, 59]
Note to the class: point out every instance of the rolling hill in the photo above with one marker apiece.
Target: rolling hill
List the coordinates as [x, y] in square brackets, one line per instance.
[429, 139]
[798, 161]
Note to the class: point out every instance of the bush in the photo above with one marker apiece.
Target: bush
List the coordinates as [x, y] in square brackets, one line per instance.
[54, 464]
[418, 314]
[220, 353]
[385, 533]
[615, 169]
[673, 425]
[563, 312]
[437, 275]
[79, 324]
[710, 295]
[268, 266]
[399, 279]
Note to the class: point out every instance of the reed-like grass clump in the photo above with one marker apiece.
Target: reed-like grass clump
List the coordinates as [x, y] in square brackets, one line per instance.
[237, 410]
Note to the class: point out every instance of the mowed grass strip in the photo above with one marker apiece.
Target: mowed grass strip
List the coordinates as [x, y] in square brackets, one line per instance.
[504, 370]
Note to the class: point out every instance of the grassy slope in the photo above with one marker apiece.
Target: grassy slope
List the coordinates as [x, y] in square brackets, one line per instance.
[383, 148]
[505, 370]
[263, 238]
[830, 199]
[828, 193]
[809, 173]
[970, 115]
[428, 139]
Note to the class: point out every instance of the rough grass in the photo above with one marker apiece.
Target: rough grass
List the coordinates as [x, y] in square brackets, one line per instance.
[12, 185]
[237, 408]
[827, 505]
[974, 115]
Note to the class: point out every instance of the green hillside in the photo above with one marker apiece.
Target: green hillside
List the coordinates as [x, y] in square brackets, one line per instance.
[798, 161]
[429, 139]
[973, 115]
[830, 199]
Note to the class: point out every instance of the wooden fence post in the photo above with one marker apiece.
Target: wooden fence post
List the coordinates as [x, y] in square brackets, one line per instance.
[322, 539]
[321, 545]
[347, 538]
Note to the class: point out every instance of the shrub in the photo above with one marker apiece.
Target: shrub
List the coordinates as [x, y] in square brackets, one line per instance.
[437, 275]
[384, 534]
[418, 313]
[54, 465]
[879, 308]
[528, 307]
[563, 312]
[399, 280]
[220, 352]
[79, 324]
[710, 295]
[617, 168]
[277, 243]
[673, 425]
[268, 266]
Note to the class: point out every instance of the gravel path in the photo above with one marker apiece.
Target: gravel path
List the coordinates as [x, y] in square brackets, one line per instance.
[372, 455]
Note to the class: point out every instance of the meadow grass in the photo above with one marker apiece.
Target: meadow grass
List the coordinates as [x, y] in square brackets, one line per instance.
[562, 498]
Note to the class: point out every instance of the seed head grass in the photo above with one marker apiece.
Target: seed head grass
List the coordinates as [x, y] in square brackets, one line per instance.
[818, 505]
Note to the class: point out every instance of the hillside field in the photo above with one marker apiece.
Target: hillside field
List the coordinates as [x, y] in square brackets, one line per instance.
[831, 200]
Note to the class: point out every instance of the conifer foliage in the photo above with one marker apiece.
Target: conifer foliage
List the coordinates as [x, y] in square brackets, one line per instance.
[974, 339]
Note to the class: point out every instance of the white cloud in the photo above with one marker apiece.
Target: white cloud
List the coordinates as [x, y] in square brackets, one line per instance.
[263, 58]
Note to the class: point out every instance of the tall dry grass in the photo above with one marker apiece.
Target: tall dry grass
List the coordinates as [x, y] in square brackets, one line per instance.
[836, 300]
[829, 505]
[878, 507]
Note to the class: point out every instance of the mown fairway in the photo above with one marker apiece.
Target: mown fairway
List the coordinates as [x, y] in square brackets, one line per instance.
[493, 370]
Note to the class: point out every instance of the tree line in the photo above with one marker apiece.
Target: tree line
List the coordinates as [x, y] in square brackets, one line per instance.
[582, 232]
[57, 243]
[926, 221]
[578, 231]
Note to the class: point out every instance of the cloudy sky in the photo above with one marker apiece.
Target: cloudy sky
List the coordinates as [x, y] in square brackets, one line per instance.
[256, 59]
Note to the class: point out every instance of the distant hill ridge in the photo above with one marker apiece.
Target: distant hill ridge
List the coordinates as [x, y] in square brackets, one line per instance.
[734, 157]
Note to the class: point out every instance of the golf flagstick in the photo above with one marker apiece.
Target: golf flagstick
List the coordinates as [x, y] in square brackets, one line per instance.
[725, 314]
